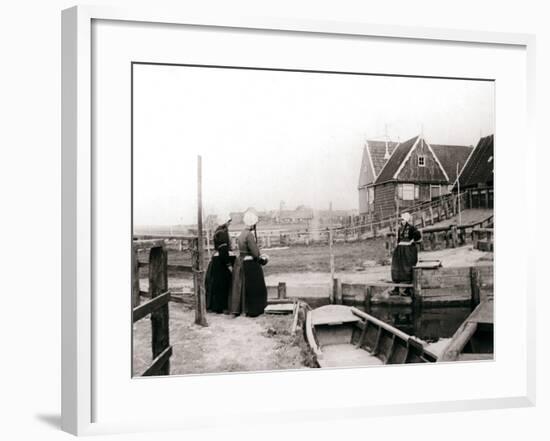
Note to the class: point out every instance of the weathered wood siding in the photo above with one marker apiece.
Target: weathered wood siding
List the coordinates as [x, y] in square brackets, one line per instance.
[429, 173]
[384, 199]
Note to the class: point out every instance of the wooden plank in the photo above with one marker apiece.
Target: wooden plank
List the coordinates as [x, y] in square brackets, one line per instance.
[152, 305]
[280, 308]
[158, 284]
[459, 341]
[182, 268]
[159, 364]
[475, 285]
[295, 318]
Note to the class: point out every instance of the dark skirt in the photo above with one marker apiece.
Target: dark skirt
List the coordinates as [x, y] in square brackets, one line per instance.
[255, 296]
[218, 285]
[403, 260]
[249, 292]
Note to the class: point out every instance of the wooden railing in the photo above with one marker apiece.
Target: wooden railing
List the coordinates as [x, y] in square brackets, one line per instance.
[157, 307]
[449, 236]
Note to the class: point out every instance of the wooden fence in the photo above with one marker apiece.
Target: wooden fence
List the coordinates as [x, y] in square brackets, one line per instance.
[456, 286]
[450, 236]
[157, 306]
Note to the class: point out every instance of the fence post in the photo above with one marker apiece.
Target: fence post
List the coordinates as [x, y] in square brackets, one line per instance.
[198, 286]
[158, 284]
[475, 284]
[200, 297]
[368, 297]
[431, 215]
[135, 278]
[281, 290]
[337, 291]
[417, 286]
[331, 250]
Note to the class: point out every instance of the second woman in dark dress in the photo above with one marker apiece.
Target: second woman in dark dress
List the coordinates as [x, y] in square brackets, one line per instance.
[218, 274]
[249, 292]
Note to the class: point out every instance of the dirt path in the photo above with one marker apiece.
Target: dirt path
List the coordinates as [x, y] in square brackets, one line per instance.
[227, 344]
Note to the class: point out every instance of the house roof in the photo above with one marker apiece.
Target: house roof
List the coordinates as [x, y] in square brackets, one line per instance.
[377, 151]
[398, 156]
[450, 155]
[374, 158]
[480, 164]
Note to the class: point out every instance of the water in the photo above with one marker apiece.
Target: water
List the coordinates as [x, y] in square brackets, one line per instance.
[429, 324]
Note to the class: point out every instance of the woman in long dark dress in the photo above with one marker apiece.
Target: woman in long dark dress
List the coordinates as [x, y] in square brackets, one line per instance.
[249, 292]
[405, 255]
[218, 274]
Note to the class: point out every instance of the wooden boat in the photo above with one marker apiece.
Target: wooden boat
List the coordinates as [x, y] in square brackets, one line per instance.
[474, 339]
[345, 336]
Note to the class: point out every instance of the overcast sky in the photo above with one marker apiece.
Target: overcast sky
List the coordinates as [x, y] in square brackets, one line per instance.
[267, 137]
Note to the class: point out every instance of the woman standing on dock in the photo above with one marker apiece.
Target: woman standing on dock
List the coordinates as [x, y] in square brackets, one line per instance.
[405, 255]
[249, 292]
[218, 274]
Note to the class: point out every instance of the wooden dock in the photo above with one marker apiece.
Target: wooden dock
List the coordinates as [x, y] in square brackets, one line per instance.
[474, 339]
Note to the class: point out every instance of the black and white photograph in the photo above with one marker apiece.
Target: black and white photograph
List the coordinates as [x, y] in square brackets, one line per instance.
[289, 219]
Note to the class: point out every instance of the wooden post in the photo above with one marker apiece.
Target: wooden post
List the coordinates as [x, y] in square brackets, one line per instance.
[475, 284]
[431, 215]
[135, 279]
[281, 290]
[423, 219]
[200, 296]
[331, 250]
[337, 291]
[417, 285]
[158, 284]
[454, 234]
[368, 297]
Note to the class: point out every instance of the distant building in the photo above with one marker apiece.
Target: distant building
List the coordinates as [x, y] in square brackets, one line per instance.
[476, 176]
[413, 172]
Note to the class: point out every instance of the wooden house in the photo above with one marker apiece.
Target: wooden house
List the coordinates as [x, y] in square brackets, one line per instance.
[414, 172]
[476, 177]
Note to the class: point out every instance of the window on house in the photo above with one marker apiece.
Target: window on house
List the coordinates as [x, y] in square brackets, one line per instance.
[435, 191]
[370, 196]
[417, 191]
[408, 192]
[421, 161]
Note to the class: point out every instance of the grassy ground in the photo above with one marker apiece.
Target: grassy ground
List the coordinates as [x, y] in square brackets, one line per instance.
[302, 258]
[227, 345]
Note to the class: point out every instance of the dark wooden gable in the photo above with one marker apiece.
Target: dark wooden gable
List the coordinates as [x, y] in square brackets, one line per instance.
[478, 169]
[411, 171]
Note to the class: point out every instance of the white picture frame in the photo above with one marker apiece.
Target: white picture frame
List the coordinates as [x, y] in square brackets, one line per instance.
[79, 413]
